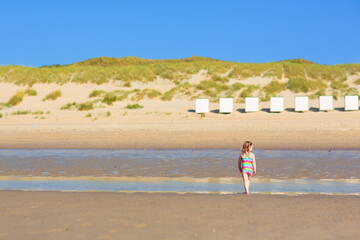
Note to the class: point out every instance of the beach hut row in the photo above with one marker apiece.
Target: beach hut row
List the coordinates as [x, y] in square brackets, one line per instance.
[277, 104]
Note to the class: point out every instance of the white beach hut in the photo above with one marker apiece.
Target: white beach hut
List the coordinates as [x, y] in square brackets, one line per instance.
[326, 103]
[226, 105]
[351, 102]
[202, 105]
[276, 104]
[301, 103]
[251, 104]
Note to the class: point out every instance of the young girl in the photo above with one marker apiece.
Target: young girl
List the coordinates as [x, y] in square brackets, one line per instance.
[247, 164]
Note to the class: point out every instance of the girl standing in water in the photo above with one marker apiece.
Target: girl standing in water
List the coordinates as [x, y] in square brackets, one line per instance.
[247, 164]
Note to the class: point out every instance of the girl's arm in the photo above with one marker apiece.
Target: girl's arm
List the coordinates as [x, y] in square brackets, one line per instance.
[239, 163]
[254, 163]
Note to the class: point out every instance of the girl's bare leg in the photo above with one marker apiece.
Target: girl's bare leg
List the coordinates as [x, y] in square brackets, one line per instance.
[246, 182]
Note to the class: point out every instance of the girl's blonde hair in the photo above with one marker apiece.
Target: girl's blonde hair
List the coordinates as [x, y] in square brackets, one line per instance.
[246, 146]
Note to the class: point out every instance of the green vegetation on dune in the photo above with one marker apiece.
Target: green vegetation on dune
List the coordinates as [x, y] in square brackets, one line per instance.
[246, 70]
[4, 105]
[21, 112]
[134, 106]
[212, 89]
[324, 72]
[69, 106]
[338, 85]
[148, 93]
[117, 95]
[96, 93]
[31, 92]
[297, 60]
[16, 98]
[303, 76]
[247, 92]
[86, 106]
[105, 70]
[273, 89]
[305, 85]
[53, 95]
[357, 81]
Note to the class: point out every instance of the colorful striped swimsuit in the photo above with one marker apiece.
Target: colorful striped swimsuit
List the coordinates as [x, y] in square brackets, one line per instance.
[247, 165]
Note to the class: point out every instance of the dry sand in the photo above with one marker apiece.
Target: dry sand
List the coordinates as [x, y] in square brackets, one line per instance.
[173, 124]
[311, 130]
[57, 215]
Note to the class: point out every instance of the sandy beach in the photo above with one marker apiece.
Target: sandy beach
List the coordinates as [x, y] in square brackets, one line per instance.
[129, 121]
[287, 130]
[35, 123]
[59, 215]
[38, 124]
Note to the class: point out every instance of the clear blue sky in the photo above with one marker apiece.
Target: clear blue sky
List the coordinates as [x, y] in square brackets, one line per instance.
[35, 33]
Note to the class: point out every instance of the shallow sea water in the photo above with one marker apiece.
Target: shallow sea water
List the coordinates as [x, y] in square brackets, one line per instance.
[181, 185]
[180, 170]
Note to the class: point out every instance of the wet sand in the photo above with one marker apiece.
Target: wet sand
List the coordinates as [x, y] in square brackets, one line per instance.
[94, 215]
[188, 140]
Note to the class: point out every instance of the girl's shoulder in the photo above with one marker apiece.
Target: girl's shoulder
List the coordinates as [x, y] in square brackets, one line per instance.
[244, 155]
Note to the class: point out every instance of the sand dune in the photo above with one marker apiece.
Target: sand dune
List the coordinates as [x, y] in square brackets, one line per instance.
[168, 124]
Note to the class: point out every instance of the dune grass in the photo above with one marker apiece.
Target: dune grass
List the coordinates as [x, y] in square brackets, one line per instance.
[233, 89]
[97, 93]
[213, 90]
[272, 89]
[218, 78]
[186, 89]
[148, 93]
[109, 98]
[304, 76]
[31, 92]
[53, 95]
[246, 70]
[117, 95]
[350, 91]
[169, 95]
[297, 84]
[134, 106]
[86, 106]
[21, 112]
[16, 98]
[4, 105]
[108, 70]
[247, 92]
[38, 112]
[69, 106]
[338, 85]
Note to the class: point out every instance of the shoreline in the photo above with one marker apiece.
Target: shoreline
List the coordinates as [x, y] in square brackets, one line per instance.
[324, 140]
